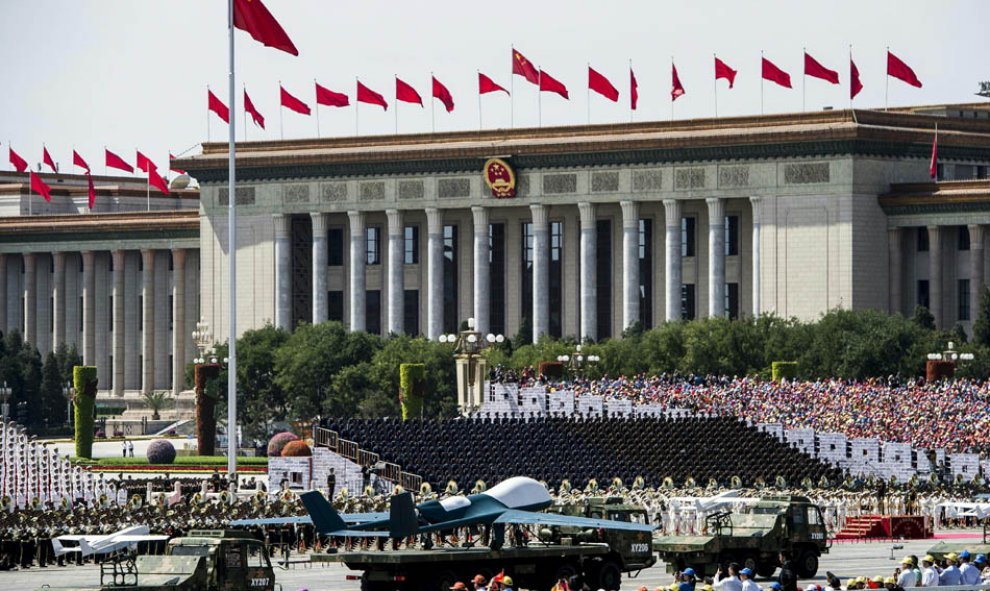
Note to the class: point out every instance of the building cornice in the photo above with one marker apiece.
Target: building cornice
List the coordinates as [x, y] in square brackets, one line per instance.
[101, 226]
[971, 196]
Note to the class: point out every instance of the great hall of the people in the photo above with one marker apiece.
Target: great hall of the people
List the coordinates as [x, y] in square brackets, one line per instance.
[576, 232]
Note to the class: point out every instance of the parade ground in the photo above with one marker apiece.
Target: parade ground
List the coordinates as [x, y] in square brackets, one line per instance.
[845, 560]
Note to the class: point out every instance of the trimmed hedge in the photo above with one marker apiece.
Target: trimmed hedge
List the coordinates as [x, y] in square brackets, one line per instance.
[161, 451]
[206, 407]
[179, 461]
[278, 441]
[412, 387]
[296, 449]
[784, 369]
[84, 381]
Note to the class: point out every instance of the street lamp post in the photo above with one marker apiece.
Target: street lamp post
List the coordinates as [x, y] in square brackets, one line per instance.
[472, 367]
[69, 392]
[948, 358]
[203, 339]
[577, 360]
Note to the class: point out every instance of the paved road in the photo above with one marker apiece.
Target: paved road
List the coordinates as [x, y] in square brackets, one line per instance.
[845, 560]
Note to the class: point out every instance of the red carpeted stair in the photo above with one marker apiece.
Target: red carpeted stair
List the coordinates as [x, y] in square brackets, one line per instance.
[861, 528]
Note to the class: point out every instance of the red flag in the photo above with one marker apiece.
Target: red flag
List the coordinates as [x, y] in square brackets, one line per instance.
[170, 167]
[39, 187]
[144, 163]
[325, 96]
[251, 110]
[523, 67]
[115, 161]
[676, 88]
[486, 85]
[78, 161]
[19, 163]
[601, 85]
[854, 84]
[156, 181]
[774, 74]
[441, 93]
[292, 103]
[216, 105]
[366, 95]
[815, 69]
[406, 93]
[550, 84]
[92, 190]
[933, 166]
[253, 17]
[47, 159]
[633, 90]
[901, 71]
[724, 71]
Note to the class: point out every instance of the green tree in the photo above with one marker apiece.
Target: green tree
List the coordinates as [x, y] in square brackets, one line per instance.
[52, 400]
[923, 317]
[981, 326]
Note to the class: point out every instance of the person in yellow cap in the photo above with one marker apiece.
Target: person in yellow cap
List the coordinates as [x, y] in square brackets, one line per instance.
[929, 576]
[506, 583]
[906, 576]
[950, 575]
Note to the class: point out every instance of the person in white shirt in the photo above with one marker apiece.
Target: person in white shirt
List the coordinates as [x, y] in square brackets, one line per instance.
[929, 576]
[730, 582]
[748, 584]
[906, 576]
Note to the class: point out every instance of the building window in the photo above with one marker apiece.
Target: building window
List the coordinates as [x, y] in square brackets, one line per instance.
[688, 308]
[556, 278]
[109, 264]
[687, 236]
[335, 306]
[450, 279]
[603, 279]
[373, 311]
[410, 312]
[526, 285]
[922, 299]
[335, 247]
[141, 262]
[962, 237]
[110, 314]
[731, 235]
[373, 240]
[410, 245]
[110, 365]
[51, 315]
[171, 312]
[732, 300]
[922, 239]
[140, 310]
[171, 263]
[81, 313]
[963, 299]
[496, 272]
[646, 273]
[939, 172]
[981, 171]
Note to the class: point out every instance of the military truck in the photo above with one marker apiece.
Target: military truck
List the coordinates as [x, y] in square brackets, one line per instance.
[205, 560]
[753, 538]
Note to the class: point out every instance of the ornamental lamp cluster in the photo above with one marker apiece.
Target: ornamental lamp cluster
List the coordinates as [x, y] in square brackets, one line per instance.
[471, 341]
[203, 338]
[576, 360]
[950, 354]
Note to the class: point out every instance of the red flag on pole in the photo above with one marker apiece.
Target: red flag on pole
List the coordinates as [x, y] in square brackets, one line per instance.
[903, 72]
[550, 84]
[144, 163]
[406, 93]
[39, 187]
[115, 161]
[523, 67]
[854, 83]
[171, 167]
[92, 190]
[253, 17]
[47, 159]
[724, 71]
[676, 88]
[602, 85]
[441, 93]
[774, 74]
[216, 105]
[325, 96]
[933, 166]
[486, 85]
[156, 181]
[78, 161]
[366, 95]
[813, 68]
[19, 163]
[251, 110]
[633, 90]
[292, 103]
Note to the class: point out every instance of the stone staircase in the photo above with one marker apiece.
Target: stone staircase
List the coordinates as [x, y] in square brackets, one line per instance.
[862, 528]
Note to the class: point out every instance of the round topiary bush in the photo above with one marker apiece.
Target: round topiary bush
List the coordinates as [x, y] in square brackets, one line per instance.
[296, 449]
[278, 441]
[161, 451]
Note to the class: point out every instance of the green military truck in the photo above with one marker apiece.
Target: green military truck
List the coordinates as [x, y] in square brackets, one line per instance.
[205, 560]
[754, 538]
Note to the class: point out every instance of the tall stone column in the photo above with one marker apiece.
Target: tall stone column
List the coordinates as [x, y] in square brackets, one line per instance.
[3, 293]
[58, 300]
[541, 271]
[434, 273]
[716, 256]
[588, 272]
[30, 298]
[319, 266]
[482, 271]
[148, 321]
[895, 264]
[283, 272]
[359, 254]
[118, 322]
[672, 272]
[976, 254]
[755, 203]
[179, 335]
[89, 307]
[630, 263]
[935, 273]
[396, 286]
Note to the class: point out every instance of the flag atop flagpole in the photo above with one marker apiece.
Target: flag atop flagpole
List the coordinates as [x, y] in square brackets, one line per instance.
[933, 165]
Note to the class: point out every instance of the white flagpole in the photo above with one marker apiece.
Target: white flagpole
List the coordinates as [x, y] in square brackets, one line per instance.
[715, 57]
[281, 128]
[232, 265]
[762, 80]
[433, 114]
[672, 98]
[587, 92]
[631, 111]
[245, 114]
[804, 80]
[316, 107]
[539, 99]
[886, 84]
[357, 108]
[512, 90]
[207, 117]
[396, 103]
[480, 123]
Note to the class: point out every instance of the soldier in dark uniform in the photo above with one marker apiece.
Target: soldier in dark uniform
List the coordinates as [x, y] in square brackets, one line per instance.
[331, 482]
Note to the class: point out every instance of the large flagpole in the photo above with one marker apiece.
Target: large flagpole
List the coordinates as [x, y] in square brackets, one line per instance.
[232, 268]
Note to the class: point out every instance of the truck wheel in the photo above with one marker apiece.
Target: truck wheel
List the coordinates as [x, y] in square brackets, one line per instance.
[751, 563]
[609, 576]
[766, 569]
[565, 570]
[807, 565]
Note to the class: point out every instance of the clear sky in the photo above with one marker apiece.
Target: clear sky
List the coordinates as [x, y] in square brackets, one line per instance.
[133, 73]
